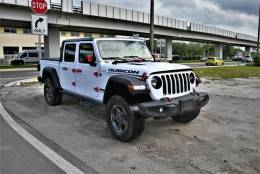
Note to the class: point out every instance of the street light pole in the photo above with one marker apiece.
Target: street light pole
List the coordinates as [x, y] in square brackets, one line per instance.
[152, 27]
[258, 31]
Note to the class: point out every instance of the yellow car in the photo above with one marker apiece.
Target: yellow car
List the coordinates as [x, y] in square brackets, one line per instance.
[211, 61]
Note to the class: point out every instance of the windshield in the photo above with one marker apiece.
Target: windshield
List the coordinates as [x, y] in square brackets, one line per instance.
[123, 49]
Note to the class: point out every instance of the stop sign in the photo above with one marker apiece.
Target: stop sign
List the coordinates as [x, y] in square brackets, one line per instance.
[39, 6]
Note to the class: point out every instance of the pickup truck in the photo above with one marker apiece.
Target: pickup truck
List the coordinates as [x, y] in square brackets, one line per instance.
[121, 73]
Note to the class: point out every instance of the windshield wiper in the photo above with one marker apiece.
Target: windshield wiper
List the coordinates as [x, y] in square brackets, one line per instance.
[140, 58]
[117, 59]
[124, 59]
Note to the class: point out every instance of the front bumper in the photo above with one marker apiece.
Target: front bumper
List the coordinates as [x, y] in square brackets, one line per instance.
[163, 109]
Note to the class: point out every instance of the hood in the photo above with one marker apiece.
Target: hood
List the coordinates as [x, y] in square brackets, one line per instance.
[138, 68]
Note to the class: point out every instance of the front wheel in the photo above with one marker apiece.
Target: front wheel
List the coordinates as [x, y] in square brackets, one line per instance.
[123, 123]
[187, 116]
[52, 96]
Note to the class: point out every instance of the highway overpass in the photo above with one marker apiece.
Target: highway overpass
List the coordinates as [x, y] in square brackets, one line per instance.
[92, 17]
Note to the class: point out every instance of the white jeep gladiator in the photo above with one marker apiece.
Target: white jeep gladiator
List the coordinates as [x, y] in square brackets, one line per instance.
[121, 73]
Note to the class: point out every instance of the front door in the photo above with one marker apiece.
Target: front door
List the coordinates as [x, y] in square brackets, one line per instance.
[87, 73]
[67, 71]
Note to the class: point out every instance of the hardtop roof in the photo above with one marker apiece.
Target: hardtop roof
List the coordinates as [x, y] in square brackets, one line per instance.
[100, 38]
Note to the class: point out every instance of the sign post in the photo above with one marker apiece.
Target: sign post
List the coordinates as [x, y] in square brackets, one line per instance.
[39, 20]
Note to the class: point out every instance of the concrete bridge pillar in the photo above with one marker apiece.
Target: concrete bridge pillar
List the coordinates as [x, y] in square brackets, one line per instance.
[247, 51]
[219, 51]
[169, 49]
[52, 43]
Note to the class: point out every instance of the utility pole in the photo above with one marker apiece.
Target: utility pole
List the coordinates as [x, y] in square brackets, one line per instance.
[258, 31]
[152, 26]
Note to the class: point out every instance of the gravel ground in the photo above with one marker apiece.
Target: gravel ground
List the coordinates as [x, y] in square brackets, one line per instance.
[225, 138]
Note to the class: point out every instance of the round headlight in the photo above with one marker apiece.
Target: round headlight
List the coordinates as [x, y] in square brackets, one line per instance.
[156, 82]
[192, 78]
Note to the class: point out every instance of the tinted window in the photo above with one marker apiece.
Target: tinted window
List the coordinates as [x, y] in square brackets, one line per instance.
[74, 33]
[69, 52]
[84, 50]
[27, 31]
[33, 54]
[23, 55]
[10, 30]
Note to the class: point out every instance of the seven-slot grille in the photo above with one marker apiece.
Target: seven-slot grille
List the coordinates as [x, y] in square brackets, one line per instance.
[176, 83]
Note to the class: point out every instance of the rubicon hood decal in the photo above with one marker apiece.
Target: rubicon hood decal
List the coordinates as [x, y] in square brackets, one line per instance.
[145, 67]
[124, 71]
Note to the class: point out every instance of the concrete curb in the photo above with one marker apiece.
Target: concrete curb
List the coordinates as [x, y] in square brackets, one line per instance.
[20, 82]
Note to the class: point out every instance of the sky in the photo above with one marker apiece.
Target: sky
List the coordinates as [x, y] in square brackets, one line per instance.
[236, 15]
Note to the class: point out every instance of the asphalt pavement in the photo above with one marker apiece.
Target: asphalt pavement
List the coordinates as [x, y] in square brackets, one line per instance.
[18, 156]
[10, 76]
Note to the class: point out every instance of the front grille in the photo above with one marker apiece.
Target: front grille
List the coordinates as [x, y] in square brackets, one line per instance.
[176, 83]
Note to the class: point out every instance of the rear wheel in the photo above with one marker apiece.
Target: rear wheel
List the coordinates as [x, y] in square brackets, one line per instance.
[187, 117]
[52, 96]
[124, 124]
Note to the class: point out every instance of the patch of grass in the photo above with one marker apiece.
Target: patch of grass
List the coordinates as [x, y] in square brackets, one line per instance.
[218, 73]
[18, 66]
[193, 61]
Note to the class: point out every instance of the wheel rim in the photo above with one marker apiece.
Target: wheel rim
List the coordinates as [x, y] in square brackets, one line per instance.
[48, 92]
[119, 119]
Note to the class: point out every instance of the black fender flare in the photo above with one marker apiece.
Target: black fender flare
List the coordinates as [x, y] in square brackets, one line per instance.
[51, 73]
[118, 82]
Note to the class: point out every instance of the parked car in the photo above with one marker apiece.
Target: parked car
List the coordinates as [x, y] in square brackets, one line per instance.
[247, 59]
[214, 61]
[121, 73]
[27, 56]
[237, 58]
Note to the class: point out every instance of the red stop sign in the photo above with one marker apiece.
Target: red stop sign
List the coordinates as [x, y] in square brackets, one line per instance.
[39, 6]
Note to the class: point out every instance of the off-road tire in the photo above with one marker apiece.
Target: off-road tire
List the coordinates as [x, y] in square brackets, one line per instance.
[187, 116]
[135, 123]
[52, 96]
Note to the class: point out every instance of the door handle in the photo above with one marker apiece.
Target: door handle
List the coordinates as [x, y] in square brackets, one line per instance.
[78, 70]
[74, 70]
[65, 68]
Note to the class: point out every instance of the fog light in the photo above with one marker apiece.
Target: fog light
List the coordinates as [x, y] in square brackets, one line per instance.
[161, 109]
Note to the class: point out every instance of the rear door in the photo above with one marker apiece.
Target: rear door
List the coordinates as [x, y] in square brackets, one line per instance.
[67, 67]
[87, 74]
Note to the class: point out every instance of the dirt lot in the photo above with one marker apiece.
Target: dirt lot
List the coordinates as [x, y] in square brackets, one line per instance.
[225, 138]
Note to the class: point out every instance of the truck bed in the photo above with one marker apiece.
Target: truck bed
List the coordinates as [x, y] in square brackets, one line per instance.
[49, 62]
